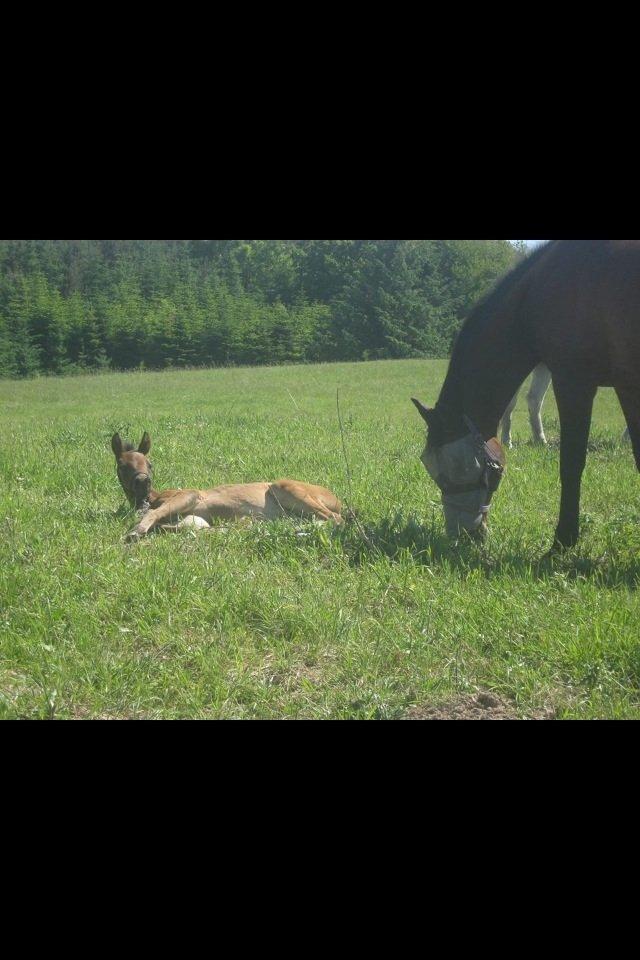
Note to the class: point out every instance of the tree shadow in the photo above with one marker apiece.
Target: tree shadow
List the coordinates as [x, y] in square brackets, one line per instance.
[396, 538]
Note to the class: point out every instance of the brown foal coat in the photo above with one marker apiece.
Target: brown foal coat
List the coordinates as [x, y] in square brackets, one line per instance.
[266, 501]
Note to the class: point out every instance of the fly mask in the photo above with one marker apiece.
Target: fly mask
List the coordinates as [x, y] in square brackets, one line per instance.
[468, 472]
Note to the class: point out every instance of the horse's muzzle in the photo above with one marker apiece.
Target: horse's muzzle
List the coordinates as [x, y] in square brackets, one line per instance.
[466, 513]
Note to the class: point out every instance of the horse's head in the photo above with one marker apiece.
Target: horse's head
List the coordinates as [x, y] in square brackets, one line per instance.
[134, 469]
[467, 470]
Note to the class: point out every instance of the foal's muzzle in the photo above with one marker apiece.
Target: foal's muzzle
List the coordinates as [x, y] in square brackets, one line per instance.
[141, 488]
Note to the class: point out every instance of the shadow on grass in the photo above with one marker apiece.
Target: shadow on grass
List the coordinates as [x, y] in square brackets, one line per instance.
[397, 538]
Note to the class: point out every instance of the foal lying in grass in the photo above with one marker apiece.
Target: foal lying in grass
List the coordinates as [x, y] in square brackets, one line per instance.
[266, 501]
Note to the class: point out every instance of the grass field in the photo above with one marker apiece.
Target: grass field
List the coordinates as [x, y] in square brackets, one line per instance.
[267, 623]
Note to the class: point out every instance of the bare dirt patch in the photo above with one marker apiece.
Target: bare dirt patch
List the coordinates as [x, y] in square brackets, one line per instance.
[481, 706]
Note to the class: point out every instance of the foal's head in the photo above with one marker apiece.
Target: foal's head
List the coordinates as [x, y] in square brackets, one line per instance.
[134, 469]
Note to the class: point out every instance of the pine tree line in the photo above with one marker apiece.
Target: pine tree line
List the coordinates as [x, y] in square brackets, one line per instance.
[73, 305]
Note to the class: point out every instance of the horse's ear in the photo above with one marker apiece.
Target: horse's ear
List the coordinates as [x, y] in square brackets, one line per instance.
[116, 445]
[145, 444]
[425, 412]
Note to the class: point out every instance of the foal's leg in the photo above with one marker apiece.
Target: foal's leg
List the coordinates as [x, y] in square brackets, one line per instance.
[535, 398]
[506, 423]
[182, 504]
[575, 398]
[292, 497]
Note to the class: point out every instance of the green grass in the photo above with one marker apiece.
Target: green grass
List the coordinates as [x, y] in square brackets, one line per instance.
[265, 623]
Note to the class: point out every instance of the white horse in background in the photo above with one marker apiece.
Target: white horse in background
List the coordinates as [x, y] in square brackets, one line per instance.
[540, 383]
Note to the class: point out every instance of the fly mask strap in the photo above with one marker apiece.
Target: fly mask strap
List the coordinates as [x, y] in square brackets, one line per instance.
[494, 466]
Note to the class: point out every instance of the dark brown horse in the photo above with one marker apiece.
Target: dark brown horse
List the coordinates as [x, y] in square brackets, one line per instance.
[574, 305]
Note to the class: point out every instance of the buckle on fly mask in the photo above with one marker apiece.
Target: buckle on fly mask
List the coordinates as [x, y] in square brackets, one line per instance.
[494, 459]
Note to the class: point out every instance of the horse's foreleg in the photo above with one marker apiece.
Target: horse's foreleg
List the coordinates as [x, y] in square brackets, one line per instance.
[535, 398]
[180, 505]
[575, 404]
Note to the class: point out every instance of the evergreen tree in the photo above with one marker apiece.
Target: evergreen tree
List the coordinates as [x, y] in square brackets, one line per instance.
[7, 351]
[85, 304]
[94, 343]
[18, 308]
[47, 326]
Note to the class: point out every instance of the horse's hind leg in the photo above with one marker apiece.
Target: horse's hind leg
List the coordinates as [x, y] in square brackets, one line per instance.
[630, 403]
[294, 498]
[506, 423]
[535, 398]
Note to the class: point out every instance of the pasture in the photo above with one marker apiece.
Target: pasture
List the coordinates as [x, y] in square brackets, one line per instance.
[301, 621]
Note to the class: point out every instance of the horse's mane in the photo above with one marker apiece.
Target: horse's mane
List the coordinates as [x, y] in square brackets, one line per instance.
[128, 447]
[476, 323]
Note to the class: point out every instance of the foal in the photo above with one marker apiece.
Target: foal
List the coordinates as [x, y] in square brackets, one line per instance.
[265, 501]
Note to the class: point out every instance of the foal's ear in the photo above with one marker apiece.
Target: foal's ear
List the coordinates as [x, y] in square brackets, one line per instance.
[425, 412]
[116, 445]
[145, 444]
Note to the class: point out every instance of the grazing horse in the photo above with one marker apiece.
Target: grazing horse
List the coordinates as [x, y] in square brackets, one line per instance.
[573, 305]
[267, 501]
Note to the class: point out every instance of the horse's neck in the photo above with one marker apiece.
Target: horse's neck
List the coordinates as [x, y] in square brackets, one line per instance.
[482, 380]
[494, 353]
